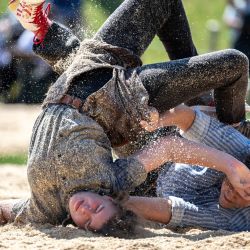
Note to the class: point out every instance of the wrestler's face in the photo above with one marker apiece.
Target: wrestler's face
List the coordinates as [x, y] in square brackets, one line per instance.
[91, 211]
[229, 198]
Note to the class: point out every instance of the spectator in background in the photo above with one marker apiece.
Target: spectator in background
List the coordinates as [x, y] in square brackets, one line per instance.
[24, 77]
[237, 17]
[108, 5]
[34, 74]
[68, 12]
[10, 30]
[19, 66]
[233, 16]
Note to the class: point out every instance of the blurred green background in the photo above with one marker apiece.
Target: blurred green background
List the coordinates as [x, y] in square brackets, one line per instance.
[198, 12]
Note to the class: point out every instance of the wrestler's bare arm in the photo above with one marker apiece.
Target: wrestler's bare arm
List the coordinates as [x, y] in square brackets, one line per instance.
[181, 116]
[183, 151]
[150, 208]
[176, 149]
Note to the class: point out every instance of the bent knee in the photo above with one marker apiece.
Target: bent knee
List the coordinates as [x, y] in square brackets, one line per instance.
[238, 58]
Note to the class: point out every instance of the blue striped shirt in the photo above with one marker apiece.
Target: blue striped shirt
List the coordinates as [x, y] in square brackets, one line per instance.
[194, 190]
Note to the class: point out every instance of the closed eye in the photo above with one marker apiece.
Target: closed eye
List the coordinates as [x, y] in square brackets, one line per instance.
[99, 209]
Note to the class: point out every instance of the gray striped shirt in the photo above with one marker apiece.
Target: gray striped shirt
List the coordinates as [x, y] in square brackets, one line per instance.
[194, 190]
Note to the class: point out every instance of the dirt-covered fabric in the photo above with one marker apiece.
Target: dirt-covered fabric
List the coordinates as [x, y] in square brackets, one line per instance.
[70, 152]
[121, 103]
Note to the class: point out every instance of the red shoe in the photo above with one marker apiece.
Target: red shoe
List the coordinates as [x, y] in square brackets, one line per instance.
[32, 17]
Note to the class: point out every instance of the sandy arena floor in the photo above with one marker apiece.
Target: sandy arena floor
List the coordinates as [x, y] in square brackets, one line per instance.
[16, 122]
[15, 127]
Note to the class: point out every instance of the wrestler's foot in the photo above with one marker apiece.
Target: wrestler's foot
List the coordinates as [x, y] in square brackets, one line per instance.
[32, 16]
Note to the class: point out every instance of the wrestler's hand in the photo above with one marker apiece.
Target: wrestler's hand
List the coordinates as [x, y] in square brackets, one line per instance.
[229, 198]
[153, 122]
[2, 218]
[181, 116]
[239, 177]
[6, 207]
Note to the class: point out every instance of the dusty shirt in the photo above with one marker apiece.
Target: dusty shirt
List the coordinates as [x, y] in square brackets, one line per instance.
[121, 103]
[70, 152]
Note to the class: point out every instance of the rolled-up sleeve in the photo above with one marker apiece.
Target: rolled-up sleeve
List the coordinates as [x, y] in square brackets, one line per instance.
[215, 134]
[200, 127]
[185, 214]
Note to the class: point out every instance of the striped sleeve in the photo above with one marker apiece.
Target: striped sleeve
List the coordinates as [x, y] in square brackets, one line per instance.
[210, 216]
[186, 214]
[192, 183]
[215, 134]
